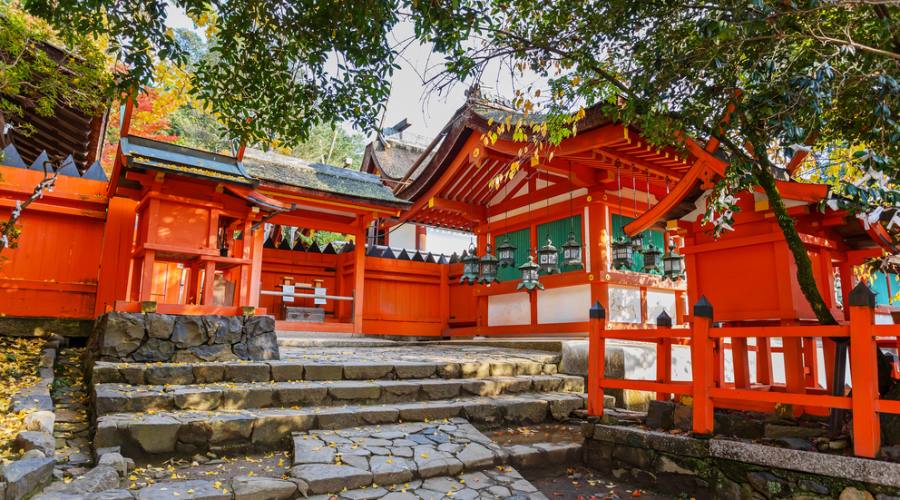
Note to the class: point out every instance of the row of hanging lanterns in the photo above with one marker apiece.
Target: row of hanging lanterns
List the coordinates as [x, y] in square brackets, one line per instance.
[483, 270]
[624, 249]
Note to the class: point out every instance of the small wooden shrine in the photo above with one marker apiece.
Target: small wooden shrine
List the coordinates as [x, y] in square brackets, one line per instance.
[567, 214]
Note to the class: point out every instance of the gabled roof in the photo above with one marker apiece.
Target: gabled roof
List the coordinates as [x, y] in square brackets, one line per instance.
[395, 158]
[275, 168]
[140, 152]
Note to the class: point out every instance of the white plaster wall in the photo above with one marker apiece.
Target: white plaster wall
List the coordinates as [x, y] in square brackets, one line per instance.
[446, 241]
[509, 309]
[568, 304]
[403, 236]
[657, 301]
[624, 304]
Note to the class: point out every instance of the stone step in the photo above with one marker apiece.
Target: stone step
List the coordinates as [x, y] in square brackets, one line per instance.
[327, 461]
[188, 432]
[295, 369]
[124, 398]
[499, 484]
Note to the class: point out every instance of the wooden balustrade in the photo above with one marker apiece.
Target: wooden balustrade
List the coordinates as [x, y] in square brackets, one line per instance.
[708, 390]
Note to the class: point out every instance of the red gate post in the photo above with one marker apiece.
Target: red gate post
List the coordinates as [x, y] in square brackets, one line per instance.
[703, 366]
[864, 372]
[596, 359]
[664, 355]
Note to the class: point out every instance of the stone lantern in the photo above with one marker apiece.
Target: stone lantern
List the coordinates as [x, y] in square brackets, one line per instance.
[673, 264]
[652, 259]
[621, 249]
[470, 266]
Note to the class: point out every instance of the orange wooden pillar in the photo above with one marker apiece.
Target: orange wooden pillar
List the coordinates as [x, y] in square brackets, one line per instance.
[664, 356]
[597, 231]
[115, 260]
[703, 365]
[741, 362]
[763, 361]
[359, 273]
[256, 255]
[795, 379]
[596, 359]
[864, 373]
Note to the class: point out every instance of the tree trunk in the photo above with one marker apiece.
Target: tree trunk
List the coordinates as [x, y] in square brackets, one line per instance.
[804, 266]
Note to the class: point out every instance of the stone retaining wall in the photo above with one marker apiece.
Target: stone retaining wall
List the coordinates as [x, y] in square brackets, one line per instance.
[153, 337]
[717, 468]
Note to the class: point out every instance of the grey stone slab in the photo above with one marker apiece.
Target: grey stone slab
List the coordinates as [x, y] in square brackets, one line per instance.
[351, 390]
[247, 372]
[284, 371]
[323, 372]
[414, 370]
[197, 398]
[262, 488]
[309, 450]
[392, 469]
[155, 433]
[331, 478]
[851, 468]
[272, 428]
[245, 397]
[180, 490]
[367, 371]
[475, 456]
[24, 476]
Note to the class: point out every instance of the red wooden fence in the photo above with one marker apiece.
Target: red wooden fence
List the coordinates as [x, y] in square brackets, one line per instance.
[708, 390]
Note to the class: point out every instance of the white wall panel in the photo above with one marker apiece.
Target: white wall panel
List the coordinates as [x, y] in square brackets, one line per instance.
[624, 304]
[509, 309]
[568, 304]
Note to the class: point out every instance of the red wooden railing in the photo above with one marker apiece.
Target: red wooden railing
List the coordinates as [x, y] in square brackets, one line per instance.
[708, 390]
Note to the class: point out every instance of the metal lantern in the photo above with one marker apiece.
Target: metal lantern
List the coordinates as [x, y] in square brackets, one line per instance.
[488, 267]
[572, 252]
[548, 257]
[621, 249]
[652, 259]
[470, 266]
[506, 253]
[637, 243]
[530, 275]
[673, 264]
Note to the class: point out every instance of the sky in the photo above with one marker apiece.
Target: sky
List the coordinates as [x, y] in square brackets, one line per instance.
[426, 111]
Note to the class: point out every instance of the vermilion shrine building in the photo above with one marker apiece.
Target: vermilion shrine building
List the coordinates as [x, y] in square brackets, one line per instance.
[193, 232]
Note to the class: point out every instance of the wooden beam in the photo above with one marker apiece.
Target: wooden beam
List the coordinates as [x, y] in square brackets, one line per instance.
[470, 212]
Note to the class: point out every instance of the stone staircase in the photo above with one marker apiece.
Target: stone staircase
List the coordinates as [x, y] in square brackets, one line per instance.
[154, 410]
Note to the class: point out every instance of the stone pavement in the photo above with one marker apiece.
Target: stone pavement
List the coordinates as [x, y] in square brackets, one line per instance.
[70, 401]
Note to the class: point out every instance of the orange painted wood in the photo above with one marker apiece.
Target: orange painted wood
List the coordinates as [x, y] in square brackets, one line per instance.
[789, 331]
[115, 263]
[887, 406]
[359, 275]
[795, 379]
[187, 309]
[680, 388]
[54, 271]
[741, 363]
[763, 361]
[703, 361]
[864, 377]
[596, 365]
[823, 401]
[300, 326]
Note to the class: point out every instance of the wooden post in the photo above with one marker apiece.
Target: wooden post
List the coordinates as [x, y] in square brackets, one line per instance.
[763, 361]
[864, 372]
[115, 257]
[209, 279]
[146, 283]
[741, 362]
[359, 274]
[795, 381]
[256, 255]
[703, 366]
[444, 298]
[596, 358]
[664, 355]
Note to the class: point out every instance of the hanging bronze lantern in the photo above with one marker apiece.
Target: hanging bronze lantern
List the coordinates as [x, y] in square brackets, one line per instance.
[530, 276]
[572, 252]
[637, 243]
[506, 253]
[621, 248]
[652, 259]
[673, 265]
[470, 266]
[488, 267]
[548, 257]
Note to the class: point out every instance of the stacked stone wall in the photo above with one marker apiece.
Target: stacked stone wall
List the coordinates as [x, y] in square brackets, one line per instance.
[718, 468]
[154, 337]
